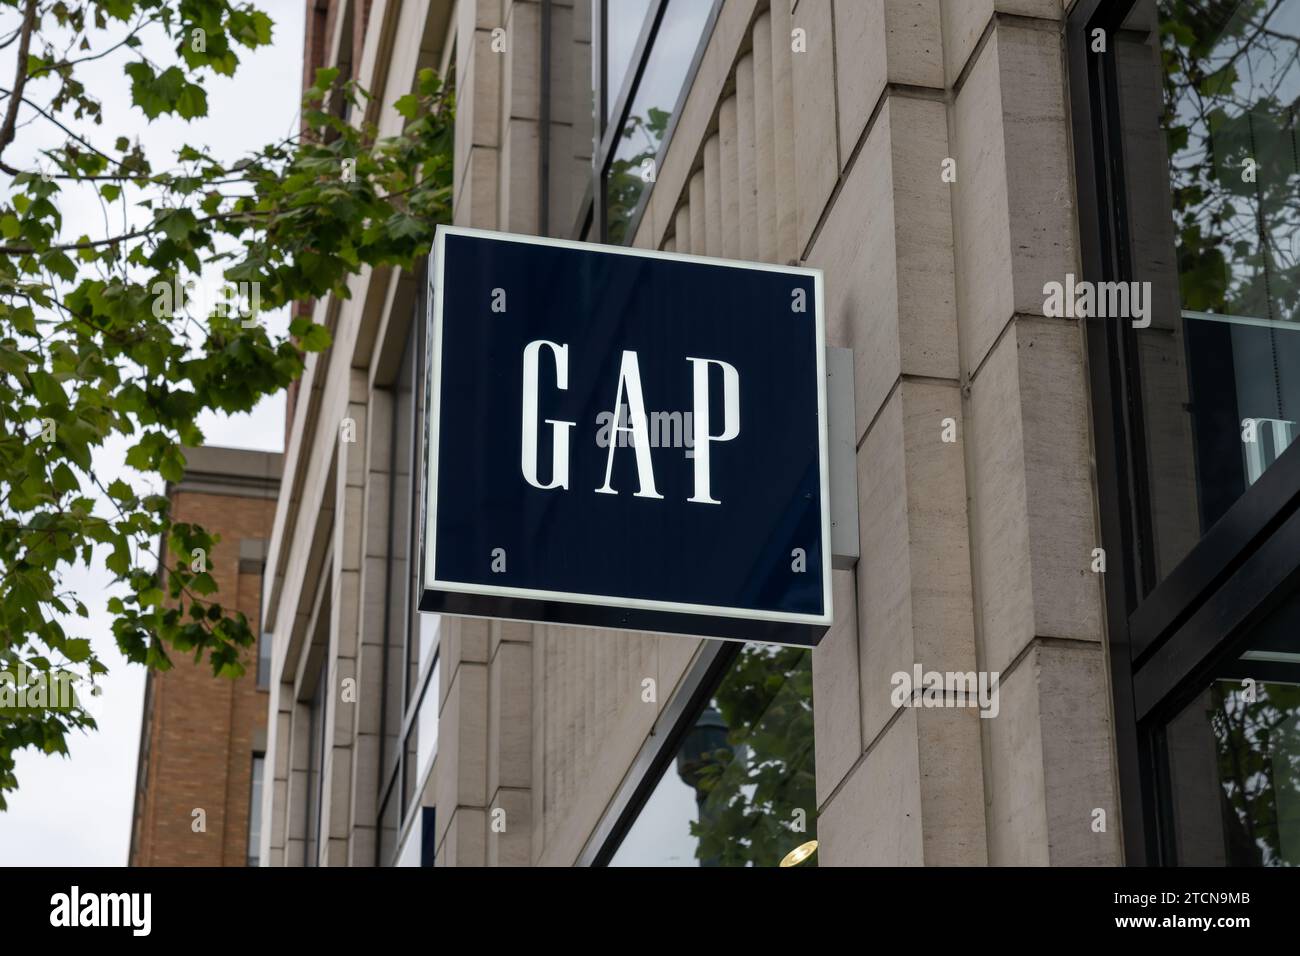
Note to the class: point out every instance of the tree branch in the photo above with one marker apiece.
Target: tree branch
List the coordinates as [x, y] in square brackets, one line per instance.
[20, 76]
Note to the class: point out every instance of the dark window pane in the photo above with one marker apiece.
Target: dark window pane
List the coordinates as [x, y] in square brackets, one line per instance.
[1209, 107]
[427, 834]
[631, 170]
[741, 789]
[315, 760]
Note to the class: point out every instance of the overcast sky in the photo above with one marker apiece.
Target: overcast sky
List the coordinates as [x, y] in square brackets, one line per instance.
[77, 810]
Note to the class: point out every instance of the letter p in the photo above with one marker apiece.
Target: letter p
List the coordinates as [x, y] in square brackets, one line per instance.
[700, 419]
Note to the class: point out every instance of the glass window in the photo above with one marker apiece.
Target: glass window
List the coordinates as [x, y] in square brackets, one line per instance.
[264, 661]
[623, 22]
[1233, 757]
[426, 725]
[412, 845]
[417, 849]
[430, 625]
[741, 787]
[1209, 105]
[421, 741]
[636, 149]
[255, 808]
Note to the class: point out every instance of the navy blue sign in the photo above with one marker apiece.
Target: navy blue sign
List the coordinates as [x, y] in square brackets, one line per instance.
[624, 438]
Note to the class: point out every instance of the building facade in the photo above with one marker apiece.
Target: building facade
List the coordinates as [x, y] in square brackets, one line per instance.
[1086, 500]
[203, 740]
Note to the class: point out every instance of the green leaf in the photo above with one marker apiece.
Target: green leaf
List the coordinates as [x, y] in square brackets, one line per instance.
[192, 102]
[119, 560]
[203, 583]
[172, 466]
[315, 339]
[119, 490]
[407, 105]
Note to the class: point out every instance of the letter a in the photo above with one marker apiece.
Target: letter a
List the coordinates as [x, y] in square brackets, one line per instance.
[629, 379]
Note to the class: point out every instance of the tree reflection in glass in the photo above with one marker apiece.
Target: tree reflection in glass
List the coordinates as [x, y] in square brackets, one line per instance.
[741, 788]
[1231, 88]
[754, 777]
[631, 170]
[1231, 83]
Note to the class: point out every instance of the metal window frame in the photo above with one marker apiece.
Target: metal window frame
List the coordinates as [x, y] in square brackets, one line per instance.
[1166, 638]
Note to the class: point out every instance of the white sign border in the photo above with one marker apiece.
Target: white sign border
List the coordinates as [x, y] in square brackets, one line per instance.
[433, 405]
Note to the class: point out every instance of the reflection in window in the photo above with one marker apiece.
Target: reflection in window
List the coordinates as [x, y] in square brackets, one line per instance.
[623, 22]
[1231, 88]
[1217, 238]
[741, 789]
[632, 167]
[1234, 758]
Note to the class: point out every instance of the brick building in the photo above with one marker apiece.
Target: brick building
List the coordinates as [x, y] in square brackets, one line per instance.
[202, 738]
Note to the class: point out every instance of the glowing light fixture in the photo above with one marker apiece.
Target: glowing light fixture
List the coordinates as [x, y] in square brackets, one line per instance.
[800, 853]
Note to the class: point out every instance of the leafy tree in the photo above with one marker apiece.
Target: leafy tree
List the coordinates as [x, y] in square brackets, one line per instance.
[93, 346]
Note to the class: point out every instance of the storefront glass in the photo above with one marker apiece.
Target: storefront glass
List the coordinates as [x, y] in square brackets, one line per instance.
[740, 789]
[1233, 757]
[1208, 101]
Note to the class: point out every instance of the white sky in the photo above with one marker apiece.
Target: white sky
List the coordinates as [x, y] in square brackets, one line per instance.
[77, 810]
